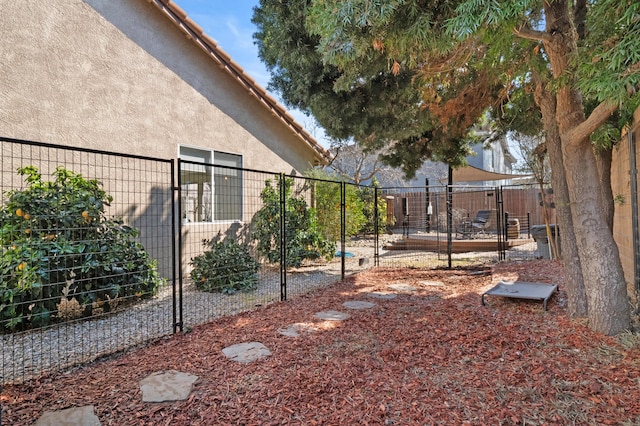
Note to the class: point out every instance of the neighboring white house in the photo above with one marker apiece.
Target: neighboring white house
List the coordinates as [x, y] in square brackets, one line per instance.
[488, 162]
[493, 157]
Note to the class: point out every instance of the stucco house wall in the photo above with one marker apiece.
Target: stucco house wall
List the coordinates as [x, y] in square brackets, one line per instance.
[138, 77]
[121, 75]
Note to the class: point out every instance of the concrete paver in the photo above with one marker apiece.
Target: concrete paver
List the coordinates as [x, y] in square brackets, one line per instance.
[169, 385]
[76, 416]
[246, 352]
[332, 315]
[358, 304]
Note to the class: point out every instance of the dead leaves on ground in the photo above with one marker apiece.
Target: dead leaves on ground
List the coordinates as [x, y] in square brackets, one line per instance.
[429, 356]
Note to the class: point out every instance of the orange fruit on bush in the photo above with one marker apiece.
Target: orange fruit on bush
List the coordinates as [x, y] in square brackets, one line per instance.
[85, 214]
[22, 266]
[19, 213]
[27, 216]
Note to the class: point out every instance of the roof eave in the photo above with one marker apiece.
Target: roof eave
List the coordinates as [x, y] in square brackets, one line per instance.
[195, 33]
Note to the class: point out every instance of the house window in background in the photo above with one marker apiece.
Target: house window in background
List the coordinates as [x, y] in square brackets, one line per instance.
[211, 189]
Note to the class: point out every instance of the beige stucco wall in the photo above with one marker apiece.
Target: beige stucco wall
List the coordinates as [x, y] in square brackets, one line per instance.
[118, 75]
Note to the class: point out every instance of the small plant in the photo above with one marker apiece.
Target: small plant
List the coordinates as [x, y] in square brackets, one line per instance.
[226, 267]
[370, 204]
[303, 236]
[328, 196]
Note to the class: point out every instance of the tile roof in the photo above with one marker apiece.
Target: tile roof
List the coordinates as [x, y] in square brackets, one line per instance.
[195, 33]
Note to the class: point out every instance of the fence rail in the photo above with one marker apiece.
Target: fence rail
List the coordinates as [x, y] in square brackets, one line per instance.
[103, 251]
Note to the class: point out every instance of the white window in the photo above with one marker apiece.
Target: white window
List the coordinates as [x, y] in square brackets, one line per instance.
[211, 189]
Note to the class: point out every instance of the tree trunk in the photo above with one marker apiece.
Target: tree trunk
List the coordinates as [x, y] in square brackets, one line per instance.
[603, 161]
[576, 295]
[605, 287]
[604, 281]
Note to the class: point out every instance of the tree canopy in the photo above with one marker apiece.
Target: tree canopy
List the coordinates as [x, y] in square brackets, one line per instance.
[371, 98]
[415, 75]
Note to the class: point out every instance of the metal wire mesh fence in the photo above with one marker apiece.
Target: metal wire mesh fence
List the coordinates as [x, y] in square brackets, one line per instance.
[446, 225]
[102, 252]
[524, 210]
[285, 238]
[84, 234]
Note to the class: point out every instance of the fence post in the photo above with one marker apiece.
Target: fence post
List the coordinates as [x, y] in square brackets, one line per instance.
[428, 207]
[506, 226]
[449, 215]
[635, 233]
[376, 239]
[283, 238]
[500, 227]
[343, 225]
[176, 227]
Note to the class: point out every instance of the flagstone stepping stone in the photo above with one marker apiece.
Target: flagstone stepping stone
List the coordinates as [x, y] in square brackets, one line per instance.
[358, 304]
[332, 315]
[402, 287]
[432, 283]
[294, 330]
[382, 295]
[77, 416]
[246, 352]
[168, 385]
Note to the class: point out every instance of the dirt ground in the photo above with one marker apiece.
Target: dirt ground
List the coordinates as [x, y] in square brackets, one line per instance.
[433, 355]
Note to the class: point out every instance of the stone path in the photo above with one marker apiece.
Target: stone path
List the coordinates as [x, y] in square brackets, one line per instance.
[165, 386]
[332, 316]
[172, 385]
[78, 416]
[295, 330]
[402, 287]
[246, 352]
[358, 304]
[382, 295]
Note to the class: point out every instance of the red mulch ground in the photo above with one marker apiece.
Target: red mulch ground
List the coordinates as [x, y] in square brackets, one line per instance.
[435, 356]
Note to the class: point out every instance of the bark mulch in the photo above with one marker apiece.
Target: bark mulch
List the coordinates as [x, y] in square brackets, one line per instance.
[429, 356]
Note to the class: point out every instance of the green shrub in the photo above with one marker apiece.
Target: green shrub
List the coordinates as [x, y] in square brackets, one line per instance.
[303, 237]
[367, 195]
[61, 257]
[327, 196]
[226, 267]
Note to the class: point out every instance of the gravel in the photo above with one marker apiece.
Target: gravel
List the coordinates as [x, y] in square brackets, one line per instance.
[30, 354]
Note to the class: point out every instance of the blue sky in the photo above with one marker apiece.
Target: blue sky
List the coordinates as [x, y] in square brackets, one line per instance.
[228, 22]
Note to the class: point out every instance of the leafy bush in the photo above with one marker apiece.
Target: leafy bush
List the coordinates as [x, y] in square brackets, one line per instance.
[327, 196]
[226, 267]
[61, 257]
[303, 237]
[359, 206]
[367, 195]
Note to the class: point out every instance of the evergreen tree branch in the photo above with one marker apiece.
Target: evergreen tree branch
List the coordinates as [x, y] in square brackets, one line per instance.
[597, 118]
[529, 34]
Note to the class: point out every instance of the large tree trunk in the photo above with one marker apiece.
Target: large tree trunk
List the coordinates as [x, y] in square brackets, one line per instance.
[604, 282]
[576, 295]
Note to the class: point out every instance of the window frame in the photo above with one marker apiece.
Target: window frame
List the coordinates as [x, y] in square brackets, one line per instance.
[213, 165]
